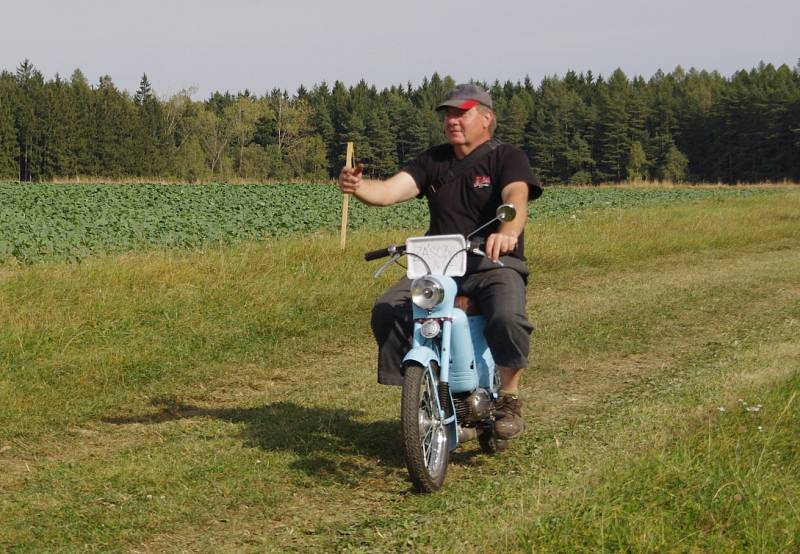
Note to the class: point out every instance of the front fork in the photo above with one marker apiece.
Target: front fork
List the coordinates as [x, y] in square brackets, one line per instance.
[430, 353]
[454, 353]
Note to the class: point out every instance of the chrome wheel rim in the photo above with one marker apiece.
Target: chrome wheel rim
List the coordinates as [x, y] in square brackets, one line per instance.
[432, 433]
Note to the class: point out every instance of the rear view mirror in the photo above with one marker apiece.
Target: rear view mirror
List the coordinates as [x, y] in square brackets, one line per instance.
[506, 212]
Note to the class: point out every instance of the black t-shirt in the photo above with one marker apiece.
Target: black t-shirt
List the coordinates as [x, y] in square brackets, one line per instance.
[462, 205]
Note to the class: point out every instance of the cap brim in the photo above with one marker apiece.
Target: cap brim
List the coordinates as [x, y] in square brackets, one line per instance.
[460, 104]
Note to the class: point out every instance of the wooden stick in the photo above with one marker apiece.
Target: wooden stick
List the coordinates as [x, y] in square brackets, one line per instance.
[346, 200]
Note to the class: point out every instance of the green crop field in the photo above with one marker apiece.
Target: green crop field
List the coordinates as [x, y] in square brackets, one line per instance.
[203, 380]
[70, 222]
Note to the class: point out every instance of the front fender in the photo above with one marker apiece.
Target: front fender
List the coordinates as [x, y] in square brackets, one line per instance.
[422, 355]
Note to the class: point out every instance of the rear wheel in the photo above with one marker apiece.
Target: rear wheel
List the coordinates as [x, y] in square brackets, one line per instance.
[427, 451]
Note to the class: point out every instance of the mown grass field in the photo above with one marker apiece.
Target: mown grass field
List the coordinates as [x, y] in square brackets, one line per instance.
[223, 399]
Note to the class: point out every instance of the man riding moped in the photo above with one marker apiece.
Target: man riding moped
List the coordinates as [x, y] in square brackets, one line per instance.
[464, 181]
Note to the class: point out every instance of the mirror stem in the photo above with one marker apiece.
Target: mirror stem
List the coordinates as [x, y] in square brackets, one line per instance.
[483, 226]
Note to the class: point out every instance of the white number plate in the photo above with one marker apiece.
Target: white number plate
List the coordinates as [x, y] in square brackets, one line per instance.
[436, 251]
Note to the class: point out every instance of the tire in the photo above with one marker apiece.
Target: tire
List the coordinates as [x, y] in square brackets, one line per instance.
[425, 442]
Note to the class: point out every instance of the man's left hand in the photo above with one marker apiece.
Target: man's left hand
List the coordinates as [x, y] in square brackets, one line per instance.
[498, 244]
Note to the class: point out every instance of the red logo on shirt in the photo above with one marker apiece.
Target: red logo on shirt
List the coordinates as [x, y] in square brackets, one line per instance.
[481, 181]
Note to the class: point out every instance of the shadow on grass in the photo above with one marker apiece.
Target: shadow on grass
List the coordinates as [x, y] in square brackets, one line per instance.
[330, 444]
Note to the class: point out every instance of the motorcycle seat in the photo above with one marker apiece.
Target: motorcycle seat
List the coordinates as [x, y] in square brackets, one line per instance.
[468, 304]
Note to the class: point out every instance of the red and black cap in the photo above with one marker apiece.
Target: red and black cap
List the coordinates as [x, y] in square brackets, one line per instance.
[466, 96]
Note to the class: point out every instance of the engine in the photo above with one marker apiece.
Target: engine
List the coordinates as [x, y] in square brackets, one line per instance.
[474, 407]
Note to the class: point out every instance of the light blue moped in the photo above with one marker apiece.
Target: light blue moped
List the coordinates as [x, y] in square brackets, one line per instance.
[450, 385]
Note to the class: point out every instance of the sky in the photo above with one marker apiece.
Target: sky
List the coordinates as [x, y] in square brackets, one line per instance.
[260, 45]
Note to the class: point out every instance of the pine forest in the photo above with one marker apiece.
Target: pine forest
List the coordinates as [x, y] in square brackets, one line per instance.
[579, 128]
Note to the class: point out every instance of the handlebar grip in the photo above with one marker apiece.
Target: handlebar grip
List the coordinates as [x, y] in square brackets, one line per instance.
[376, 254]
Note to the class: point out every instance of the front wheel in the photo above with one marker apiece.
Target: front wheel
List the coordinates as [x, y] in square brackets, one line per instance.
[424, 434]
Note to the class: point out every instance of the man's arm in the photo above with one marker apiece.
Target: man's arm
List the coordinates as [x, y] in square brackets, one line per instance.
[505, 239]
[398, 188]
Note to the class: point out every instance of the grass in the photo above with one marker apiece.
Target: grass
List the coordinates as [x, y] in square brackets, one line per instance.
[223, 399]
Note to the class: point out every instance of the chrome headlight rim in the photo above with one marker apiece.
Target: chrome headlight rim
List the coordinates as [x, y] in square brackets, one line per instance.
[430, 328]
[427, 292]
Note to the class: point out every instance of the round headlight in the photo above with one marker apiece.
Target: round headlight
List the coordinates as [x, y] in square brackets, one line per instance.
[427, 292]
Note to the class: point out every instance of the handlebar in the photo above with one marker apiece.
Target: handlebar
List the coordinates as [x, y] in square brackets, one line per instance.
[475, 243]
[474, 246]
[384, 252]
[375, 254]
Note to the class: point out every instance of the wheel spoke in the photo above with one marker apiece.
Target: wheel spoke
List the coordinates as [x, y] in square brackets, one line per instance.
[427, 396]
[428, 446]
[432, 435]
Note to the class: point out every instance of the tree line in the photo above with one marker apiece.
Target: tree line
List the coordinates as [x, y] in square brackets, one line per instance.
[579, 128]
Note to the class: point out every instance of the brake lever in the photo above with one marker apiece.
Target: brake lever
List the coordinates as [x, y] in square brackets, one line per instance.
[386, 264]
[478, 252]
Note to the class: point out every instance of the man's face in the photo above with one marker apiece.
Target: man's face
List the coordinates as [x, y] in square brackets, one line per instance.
[465, 127]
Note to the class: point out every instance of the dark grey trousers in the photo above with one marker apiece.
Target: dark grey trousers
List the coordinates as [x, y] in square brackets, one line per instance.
[500, 292]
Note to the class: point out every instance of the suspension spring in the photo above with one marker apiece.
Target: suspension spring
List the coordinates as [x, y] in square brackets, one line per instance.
[444, 398]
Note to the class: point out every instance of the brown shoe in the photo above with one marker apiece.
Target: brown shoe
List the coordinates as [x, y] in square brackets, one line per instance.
[508, 416]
